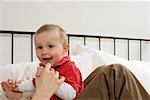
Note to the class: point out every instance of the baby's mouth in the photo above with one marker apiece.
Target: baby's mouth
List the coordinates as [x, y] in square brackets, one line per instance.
[46, 60]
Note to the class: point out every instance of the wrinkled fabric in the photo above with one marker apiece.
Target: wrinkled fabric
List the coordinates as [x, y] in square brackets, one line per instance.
[113, 82]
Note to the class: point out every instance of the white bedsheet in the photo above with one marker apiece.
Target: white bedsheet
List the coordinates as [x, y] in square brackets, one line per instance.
[142, 71]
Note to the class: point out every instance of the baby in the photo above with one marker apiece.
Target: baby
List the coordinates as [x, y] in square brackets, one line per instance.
[51, 45]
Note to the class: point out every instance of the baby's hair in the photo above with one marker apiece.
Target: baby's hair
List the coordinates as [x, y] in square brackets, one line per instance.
[48, 27]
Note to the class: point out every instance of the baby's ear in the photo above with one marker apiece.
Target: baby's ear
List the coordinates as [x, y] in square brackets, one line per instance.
[66, 48]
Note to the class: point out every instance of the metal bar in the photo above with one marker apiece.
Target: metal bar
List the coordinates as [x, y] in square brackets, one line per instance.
[68, 43]
[96, 36]
[77, 35]
[128, 50]
[84, 40]
[31, 47]
[140, 50]
[114, 46]
[16, 32]
[99, 43]
[12, 47]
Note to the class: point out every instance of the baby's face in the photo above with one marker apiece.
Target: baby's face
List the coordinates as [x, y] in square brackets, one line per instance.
[49, 48]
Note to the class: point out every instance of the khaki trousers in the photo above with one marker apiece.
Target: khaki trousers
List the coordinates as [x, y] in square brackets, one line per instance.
[113, 82]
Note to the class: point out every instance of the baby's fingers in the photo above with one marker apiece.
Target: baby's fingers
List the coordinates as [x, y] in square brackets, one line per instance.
[39, 71]
[62, 79]
[13, 82]
[4, 86]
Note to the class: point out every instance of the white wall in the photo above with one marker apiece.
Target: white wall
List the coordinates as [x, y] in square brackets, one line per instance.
[112, 18]
[0, 14]
[119, 18]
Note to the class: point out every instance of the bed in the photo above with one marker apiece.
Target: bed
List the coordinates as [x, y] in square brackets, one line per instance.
[97, 50]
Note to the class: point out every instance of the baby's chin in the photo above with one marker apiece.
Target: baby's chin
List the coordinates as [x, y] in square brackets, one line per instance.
[44, 63]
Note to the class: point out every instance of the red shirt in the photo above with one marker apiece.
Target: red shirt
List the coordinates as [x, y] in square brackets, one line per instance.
[72, 75]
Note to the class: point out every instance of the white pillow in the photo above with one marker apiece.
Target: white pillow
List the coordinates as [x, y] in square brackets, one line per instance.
[99, 57]
[141, 70]
[112, 59]
[84, 62]
[16, 71]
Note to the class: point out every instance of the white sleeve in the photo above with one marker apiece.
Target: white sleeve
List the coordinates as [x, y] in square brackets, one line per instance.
[66, 92]
[26, 86]
[30, 71]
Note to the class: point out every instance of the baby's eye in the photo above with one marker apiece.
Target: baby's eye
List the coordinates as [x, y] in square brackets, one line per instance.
[50, 46]
[39, 47]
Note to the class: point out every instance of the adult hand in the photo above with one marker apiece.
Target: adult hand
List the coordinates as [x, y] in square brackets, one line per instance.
[47, 83]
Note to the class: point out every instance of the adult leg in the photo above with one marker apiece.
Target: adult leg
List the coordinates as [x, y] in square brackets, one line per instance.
[113, 82]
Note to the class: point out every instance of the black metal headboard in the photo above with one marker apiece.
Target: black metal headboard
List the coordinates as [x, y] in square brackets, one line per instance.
[74, 35]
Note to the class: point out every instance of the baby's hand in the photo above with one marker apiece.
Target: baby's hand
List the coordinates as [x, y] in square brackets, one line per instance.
[39, 71]
[5, 86]
[10, 84]
[11, 90]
